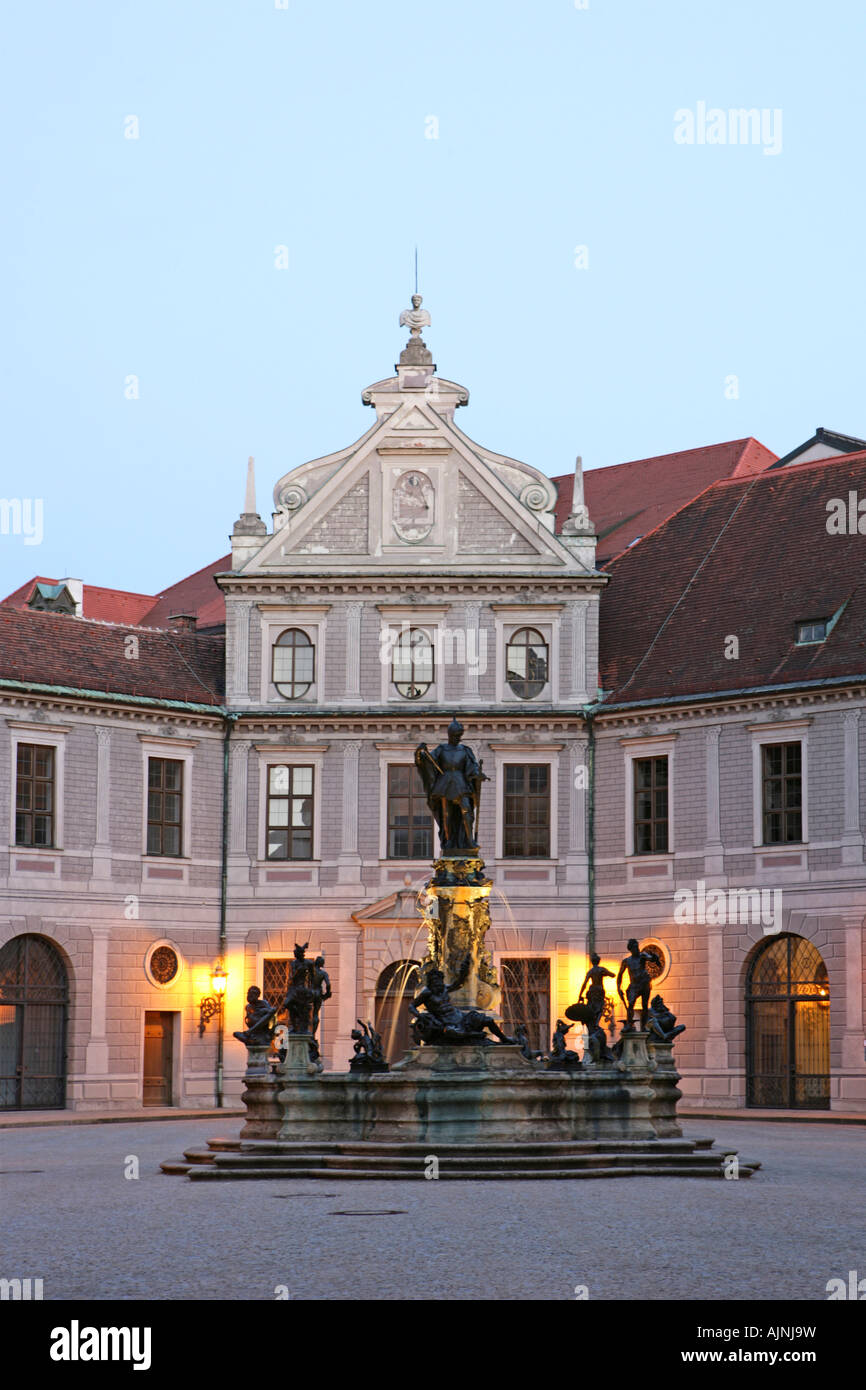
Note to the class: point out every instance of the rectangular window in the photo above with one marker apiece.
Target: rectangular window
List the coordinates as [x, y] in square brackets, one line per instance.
[290, 812]
[812, 632]
[275, 980]
[526, 998]
[34, 796]
[782, 794]
[650, 805]
[410, 826]
[164, 806]
[526, 821]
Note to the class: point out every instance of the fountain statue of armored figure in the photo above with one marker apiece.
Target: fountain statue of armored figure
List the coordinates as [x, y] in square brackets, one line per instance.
[452, 778]
[457, 908]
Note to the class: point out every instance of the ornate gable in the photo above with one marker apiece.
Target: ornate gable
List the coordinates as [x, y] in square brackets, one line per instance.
[414, 491]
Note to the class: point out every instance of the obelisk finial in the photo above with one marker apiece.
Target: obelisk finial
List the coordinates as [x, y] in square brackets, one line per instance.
[578, 522]
[249, 523]
[250, 495]
[577, 494]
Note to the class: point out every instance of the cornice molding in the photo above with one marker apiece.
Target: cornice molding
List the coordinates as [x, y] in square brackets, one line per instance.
[393, 582]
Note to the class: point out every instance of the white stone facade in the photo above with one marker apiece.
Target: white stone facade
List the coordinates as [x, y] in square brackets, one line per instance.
[415, 528]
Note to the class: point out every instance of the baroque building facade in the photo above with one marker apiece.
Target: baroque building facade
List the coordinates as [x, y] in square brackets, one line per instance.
[671, 733]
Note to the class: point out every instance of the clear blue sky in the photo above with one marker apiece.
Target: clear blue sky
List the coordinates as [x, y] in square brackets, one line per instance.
[305, 127]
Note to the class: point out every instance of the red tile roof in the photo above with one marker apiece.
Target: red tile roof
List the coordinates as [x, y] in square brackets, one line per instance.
[749, 558]
[628, 500]
[105, 605]
[55, 649]
[196, 594]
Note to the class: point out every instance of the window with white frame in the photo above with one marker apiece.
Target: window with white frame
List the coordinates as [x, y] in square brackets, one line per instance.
[293, 652]
[413, 664]
[410, 824]
[649, 795]
[290, 802]
[527, 663]
[35, 795]
[780, 785]
[650, 805]
[293, 663]
[167, 813]
[414, 646]
[165, 806]
[290, 811]
[526, 811]
[526, 778]
[527, 652]
[38, 761]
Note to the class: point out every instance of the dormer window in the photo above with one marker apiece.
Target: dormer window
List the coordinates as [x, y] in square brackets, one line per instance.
[53, 598]
[812, 632]
[294, 663]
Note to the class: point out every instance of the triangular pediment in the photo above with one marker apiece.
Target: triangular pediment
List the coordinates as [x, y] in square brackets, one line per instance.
[415, 420]
[413, 491]
[399, 907]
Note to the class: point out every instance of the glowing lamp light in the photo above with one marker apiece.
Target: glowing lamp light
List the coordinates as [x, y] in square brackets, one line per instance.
[210, 1006]
[218, 981]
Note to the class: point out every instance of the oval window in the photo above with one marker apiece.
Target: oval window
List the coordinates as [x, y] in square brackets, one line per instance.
[293, 667]
[526, 663]
[412, 668]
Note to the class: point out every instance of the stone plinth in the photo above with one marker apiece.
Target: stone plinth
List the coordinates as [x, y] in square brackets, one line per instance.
[298, 1061]
[471, 1094]
[666, 1092]
[261, 1097]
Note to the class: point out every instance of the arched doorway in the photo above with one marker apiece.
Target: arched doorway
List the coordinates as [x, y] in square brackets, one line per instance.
[788, 1027]
[34, 1005]
[395, 987]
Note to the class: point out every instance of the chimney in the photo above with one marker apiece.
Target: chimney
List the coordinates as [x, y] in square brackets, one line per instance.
[76, 592]
[182, 622]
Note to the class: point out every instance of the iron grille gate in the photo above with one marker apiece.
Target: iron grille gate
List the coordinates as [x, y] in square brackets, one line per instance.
[788, 1027]
[34, 1005]
[526, 997]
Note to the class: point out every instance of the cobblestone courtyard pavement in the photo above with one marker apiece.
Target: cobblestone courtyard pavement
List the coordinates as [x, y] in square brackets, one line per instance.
[90, 1233]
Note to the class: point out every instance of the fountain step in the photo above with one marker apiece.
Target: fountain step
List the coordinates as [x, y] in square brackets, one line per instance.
[412, 1148]
[582, 1159]
[587, 1157]
[634, 1168]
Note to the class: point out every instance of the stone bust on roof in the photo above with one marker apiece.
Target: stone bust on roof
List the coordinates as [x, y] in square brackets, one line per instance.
[415, 318]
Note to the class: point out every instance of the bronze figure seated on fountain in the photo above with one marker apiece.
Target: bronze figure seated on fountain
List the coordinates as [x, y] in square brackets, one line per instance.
[662, 1023]
[443, 1023]
[561, 1058]
[368, 1050]
[259, 1018]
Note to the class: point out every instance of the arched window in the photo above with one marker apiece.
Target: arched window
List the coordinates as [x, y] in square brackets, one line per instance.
[526, 662]
[788, 1027]
[34, 1003]
[395, 988]
[293, 667]
[412, 666]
